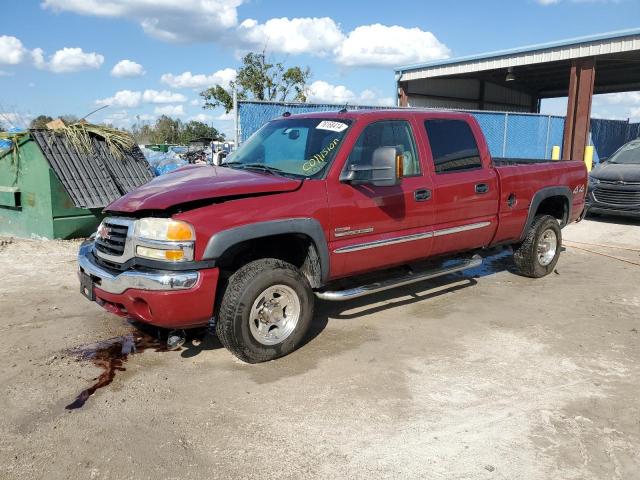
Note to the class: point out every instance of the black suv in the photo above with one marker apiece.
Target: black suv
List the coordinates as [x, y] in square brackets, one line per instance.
[614, 185]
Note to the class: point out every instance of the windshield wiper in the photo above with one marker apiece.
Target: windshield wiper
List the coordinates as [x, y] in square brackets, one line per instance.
[260, 166]
[226, 164]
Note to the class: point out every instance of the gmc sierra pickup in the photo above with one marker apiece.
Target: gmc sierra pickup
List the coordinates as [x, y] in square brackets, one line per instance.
[310, 201]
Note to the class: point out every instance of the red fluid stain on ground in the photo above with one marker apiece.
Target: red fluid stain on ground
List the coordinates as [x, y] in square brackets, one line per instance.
[110, 356]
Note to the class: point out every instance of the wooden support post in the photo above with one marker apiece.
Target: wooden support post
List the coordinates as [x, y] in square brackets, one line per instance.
[577, 123]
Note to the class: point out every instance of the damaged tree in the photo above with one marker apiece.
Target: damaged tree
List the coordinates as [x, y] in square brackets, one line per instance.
[259, 80]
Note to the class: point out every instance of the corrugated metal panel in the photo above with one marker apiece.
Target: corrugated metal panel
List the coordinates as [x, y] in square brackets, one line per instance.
[92, 180]
[525, 56]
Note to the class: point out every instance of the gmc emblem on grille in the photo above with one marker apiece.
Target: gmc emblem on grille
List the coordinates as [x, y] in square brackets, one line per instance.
[104, 232]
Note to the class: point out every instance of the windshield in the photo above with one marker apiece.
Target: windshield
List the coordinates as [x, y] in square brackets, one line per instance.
[301, 147]
[628, 154]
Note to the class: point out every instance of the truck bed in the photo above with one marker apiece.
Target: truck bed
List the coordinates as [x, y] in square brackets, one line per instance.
[522, 178]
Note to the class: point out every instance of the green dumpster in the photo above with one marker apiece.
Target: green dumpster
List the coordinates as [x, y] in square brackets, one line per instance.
[49, 190]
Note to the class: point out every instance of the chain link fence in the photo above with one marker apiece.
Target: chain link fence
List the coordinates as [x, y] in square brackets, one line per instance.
[515, 135]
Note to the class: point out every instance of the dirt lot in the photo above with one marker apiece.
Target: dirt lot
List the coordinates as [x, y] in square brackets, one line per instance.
[483, 375]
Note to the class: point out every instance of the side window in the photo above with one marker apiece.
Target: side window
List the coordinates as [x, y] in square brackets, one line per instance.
[453, 146]
[387, 133]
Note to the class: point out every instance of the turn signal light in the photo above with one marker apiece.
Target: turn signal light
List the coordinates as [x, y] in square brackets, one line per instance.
[400, 165]
[160, 254]
[179, 231]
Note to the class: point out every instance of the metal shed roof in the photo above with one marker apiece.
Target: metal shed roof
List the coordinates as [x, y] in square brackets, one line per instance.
[92, 180]
[541, 70]
[619, 42]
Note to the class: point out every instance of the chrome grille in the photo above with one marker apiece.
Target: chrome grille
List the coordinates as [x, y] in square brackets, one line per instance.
[617, 196]
[112, 238]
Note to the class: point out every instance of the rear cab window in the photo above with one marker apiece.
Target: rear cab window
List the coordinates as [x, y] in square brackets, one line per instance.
[453, 146]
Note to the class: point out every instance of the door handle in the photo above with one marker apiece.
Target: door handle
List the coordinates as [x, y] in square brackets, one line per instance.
[422, 195]
[482, 188]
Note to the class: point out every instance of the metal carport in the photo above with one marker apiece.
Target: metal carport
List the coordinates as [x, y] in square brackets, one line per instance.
[518, 79]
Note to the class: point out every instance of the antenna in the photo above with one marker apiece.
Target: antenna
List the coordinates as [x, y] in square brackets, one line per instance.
[94, 111]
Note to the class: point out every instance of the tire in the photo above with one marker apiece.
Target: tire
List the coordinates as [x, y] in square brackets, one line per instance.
[529, 256]
[265, 311]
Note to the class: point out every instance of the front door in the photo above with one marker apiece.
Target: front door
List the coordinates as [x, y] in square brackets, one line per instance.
[374, 227]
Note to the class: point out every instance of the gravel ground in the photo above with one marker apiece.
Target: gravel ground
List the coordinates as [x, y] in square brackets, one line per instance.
[475, 376]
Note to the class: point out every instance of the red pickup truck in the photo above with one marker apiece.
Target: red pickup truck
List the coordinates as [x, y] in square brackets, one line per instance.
[308, 205]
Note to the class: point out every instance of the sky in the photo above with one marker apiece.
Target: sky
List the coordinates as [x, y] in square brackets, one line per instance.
[146, 58]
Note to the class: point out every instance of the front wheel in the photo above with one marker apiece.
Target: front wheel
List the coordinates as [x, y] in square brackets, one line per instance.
[538, 254]
[265, 311]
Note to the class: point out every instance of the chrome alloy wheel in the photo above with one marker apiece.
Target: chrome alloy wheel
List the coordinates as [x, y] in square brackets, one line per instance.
[274, 314]
[547, 247]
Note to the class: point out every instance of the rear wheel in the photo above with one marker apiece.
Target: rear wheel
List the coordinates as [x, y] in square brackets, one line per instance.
[266, 310]
[538, 254]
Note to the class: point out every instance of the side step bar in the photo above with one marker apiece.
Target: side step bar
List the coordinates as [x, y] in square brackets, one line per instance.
[408, 279]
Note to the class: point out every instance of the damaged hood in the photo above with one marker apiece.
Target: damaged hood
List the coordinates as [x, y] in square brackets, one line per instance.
[200, 182]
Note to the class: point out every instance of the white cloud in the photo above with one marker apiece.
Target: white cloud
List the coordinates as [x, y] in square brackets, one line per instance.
[196, 102]
[321, 91]
[118, 119]
[67, 60]
[623, 105]
[15, 119]
[170, 110]
[132, 99]
[547, 2]
[5, 74]
[225, 117]
[217, 20]
[614, 106]
[12, 51]
[169, 20]
[316, 36]
[622, 98]
[127, 69]
[165, 96]
[189, 80]
[388, 46]
[201, 117]
[123, 98]
[324, 92]
[368, 45]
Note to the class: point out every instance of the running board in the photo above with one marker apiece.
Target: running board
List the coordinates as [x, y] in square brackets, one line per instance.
[408, 279]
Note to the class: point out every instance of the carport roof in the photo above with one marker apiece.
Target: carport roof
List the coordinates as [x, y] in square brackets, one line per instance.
[543, 68]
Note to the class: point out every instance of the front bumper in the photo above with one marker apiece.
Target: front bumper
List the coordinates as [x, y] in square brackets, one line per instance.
[607, 210]
[169, 299]
[624, 208]
[157, 280]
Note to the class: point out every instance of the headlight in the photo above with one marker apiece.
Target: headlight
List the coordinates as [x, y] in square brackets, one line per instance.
[164, 239]
[164, 229]
[593, 181]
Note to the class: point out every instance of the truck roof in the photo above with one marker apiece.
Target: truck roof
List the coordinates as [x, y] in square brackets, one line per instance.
[374, 114]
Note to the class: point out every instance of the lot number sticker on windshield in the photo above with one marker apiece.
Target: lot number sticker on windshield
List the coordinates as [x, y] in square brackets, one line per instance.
[332, 126]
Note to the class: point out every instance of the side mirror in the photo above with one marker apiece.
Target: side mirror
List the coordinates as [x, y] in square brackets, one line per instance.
[386, 169]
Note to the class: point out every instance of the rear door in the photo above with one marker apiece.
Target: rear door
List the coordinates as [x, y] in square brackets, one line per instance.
[465, 186]
[374, 227]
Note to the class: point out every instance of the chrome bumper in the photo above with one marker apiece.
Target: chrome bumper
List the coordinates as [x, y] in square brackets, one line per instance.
[147, 280]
